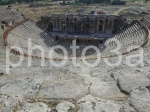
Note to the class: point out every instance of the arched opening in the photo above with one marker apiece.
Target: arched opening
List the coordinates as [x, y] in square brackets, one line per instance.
[56, 38]
[101, 41]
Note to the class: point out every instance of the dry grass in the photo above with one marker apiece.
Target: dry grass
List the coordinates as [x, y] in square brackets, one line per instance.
[36, 12]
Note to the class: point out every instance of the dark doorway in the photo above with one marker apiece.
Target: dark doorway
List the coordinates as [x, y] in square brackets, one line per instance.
[101, 41]
[100, 27]
[50, 27]
[56, 38]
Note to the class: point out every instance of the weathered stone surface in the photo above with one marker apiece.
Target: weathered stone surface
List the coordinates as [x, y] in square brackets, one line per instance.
[80, 71]
[65, 106]
[95, 104]
[74, 70]
[63, 90]
[19, 86]
[148, 76]
[140, 99]
[9, 103]
[33, 107]
[101, 73]
[105, 89]
[129, 81]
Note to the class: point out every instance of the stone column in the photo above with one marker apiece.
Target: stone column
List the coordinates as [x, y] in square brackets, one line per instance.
[97, 25]
[60, 24]
[112, 25]
[66, 24]
[56, 23]
[103, 25]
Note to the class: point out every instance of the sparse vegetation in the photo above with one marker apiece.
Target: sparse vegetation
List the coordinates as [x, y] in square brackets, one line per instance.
[6, 2]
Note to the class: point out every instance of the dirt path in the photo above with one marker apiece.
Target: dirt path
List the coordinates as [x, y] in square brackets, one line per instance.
[118, 11]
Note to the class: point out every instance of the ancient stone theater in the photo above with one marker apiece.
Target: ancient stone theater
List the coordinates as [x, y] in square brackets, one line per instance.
[87, 29]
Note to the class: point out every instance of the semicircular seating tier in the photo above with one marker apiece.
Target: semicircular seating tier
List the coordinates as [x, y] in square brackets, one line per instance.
[29, 32]
[8, 16]
[146, 20]
[135, 35]
[132, 37]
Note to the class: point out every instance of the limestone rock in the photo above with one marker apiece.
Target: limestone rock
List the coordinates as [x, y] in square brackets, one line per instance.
[65, 106]
[105, 89]
[63, 90]
[95, 104]
[33, 107]
[19, 86]
[129, 81]
[81, 71]
[140, 99]
[74, 70]
[148, 76]
[9, 103]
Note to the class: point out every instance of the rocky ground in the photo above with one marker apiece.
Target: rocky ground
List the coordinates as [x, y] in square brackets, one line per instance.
[74, 89]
